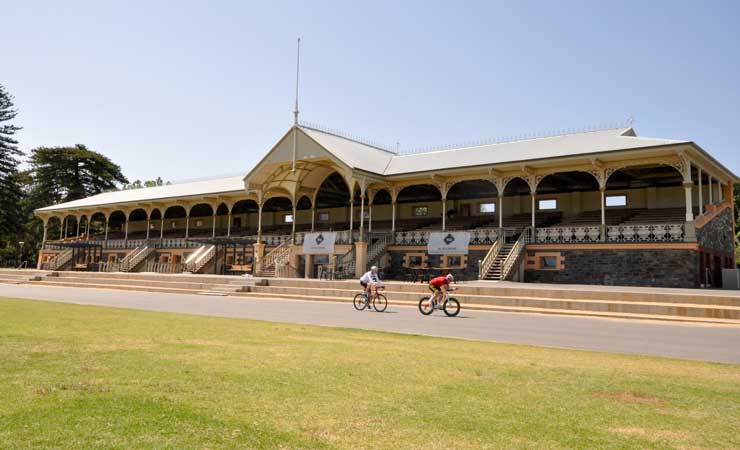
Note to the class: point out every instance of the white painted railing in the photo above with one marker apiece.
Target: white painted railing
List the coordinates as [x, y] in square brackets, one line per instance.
[487, 262]
[484, 236]
[646, 233]
[277, 256]
[564, 235]
[515, 254]
[60, 260]
[377, 249]
[164, 267]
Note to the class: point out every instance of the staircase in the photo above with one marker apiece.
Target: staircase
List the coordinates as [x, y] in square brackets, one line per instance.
[278, 256]
[60, 261]
[202, 256]
[504, 258]
[494, 272]
[377, 249]
[136, 257]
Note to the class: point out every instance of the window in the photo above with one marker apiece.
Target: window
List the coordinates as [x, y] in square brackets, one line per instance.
[547, 204]
[323, 217]
[454, 261]
[548, 262]
[487, 208]
[288, 218]
[616, 200]
[199, 223]
[420, 211]
[415, 261]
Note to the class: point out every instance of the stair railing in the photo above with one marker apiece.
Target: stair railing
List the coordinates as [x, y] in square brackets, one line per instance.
[61, 259]
[277, 255]
[377, 249]
[515, 254]
[204, 259]
[487, 262]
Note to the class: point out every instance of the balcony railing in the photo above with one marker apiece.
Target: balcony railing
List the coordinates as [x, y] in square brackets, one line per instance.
[614, 233]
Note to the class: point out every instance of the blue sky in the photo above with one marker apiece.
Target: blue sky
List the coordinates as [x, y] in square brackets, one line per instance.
[192, 89]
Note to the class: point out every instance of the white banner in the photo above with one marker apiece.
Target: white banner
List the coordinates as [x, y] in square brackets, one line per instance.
[448, 243]
[321, 243]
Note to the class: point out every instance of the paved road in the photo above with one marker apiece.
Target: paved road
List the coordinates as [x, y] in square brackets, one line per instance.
[689, 341]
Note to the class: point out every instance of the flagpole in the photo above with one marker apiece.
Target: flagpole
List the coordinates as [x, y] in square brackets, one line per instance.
[295, 111]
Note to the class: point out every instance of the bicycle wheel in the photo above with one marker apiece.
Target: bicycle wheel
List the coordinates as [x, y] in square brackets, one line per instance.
[451, 307]
[425, 306]
[380, 303]
[359, 302]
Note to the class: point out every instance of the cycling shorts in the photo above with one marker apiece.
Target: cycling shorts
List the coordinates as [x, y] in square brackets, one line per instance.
[433, 288]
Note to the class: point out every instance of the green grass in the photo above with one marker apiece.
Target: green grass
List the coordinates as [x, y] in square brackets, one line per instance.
[89, 377]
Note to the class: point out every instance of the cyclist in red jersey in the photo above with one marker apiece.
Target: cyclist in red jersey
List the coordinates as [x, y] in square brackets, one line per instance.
[439, 284]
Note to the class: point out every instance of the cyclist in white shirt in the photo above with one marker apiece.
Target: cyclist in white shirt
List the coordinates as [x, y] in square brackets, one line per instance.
[369, 278]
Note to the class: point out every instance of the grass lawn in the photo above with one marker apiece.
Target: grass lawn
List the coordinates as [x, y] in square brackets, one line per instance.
[90, 377]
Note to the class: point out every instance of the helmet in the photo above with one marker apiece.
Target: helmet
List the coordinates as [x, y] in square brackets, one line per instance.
[450, 277]
[374, 269]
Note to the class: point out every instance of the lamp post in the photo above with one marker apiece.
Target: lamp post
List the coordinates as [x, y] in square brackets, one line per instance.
[20, 253]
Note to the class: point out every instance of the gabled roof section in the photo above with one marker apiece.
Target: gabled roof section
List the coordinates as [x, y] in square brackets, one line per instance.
[355, 154]
[526, 150]
[195, 188]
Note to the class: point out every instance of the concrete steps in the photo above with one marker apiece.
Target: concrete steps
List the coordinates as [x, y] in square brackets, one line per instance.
[151, 283]
[503, 301]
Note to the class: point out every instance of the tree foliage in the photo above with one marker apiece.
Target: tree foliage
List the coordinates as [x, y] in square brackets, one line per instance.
[10, 190]
[63, 174]
[137, 184]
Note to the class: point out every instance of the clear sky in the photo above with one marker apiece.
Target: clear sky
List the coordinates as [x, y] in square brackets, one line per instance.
[186, 89]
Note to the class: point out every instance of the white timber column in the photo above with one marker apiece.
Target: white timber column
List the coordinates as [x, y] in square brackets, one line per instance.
[46, 229]
[501, 210]
[370, 215]
[87, 225]
[295, 219]
[362, 217]
[161, 226]
[106, 227]
[701, 194]
[313, 218]
[393, 216]
[66, 228]
[148, 223]
[213, 232]
[78, 227]
[351, 216]
[228, 224]
[444, 213]
[534, 207]
[711, 199]
[259, 222]
[61, 229]
[602, 189]
[187, 224]
[125, 235]
[688, 186]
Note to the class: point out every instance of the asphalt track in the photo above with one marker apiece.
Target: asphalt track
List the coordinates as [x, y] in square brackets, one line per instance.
[718, 343]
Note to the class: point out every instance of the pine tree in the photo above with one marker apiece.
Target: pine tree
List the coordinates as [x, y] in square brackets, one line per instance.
[10, 190]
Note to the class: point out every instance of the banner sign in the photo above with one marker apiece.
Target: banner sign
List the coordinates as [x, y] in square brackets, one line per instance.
[448, 243]
[319, 243]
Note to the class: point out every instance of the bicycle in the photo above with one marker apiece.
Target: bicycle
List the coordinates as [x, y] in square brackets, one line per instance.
[450, 305]
[379, 301]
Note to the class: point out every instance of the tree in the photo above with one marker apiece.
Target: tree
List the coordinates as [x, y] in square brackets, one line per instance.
[10, 191]
[63, 174]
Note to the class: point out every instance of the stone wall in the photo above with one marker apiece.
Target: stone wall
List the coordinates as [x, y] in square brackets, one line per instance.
[717, 234]
[469, 272]
[617, 267]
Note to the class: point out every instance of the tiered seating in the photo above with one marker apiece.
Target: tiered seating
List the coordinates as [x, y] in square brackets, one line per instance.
[657, 216]
[522, 220]
[592, 218]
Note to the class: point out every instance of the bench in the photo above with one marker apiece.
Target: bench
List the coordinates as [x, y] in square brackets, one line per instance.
[240, 268]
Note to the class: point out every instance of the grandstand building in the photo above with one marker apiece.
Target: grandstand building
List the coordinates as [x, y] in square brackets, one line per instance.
[595, 207]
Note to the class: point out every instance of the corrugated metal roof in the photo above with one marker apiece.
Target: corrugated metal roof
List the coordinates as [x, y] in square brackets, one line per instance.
[525, 150]
[372, 159]
[203, 187]
[355, 154]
